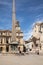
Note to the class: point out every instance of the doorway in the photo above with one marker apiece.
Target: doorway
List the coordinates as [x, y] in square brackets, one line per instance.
[1, 49]
[7, 48]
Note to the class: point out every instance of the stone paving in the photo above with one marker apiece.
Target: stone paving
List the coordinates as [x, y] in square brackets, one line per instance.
[30, 59]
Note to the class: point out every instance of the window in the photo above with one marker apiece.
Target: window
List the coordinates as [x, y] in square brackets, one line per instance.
[1, 33]
[40, 31]
[1, 48]
[1, 41]
[7, 40]
[12, 47]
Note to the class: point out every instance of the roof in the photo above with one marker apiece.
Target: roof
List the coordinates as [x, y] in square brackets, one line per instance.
[39, 23]
[5, 30]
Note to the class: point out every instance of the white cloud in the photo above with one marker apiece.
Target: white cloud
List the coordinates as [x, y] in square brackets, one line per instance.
[40, 15]
[38, 20]
[27, 34]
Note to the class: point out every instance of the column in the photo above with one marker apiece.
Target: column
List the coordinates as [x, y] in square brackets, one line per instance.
[3, 41]
[4, 49]
[9, 40]
[13, 22]
[9, 48]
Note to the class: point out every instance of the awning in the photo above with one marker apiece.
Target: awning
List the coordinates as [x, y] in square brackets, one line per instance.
[14, 43]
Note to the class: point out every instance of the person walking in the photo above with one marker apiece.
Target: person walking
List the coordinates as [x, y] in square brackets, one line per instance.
[24, 49]
[19, 50]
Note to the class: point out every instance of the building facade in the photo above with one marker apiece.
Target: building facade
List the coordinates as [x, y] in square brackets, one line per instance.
[38, 33]
[6, 38]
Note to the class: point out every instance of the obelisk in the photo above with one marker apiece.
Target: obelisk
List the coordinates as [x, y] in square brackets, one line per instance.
[13, 22]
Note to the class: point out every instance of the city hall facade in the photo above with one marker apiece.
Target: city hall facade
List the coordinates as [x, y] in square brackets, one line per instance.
[6, 39]
[9, 40]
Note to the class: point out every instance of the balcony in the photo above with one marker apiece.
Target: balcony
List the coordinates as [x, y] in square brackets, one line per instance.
[5, 35]
[19, 35]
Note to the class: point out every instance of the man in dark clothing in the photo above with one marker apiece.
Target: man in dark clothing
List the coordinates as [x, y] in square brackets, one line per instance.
[24, 48]
[19, 50]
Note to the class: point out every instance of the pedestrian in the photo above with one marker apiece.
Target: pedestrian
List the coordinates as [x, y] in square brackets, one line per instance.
[37, 49]
[19, 50]
[24, 49]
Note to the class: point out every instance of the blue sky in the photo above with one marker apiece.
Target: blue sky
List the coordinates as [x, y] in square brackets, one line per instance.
[27, 13]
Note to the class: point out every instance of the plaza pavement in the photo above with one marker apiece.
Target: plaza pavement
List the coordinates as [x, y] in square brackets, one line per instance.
[30, 59]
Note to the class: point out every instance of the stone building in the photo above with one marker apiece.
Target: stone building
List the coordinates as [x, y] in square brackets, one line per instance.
[6, 38]
[9, 40]
[38, 33]
[36, 40]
